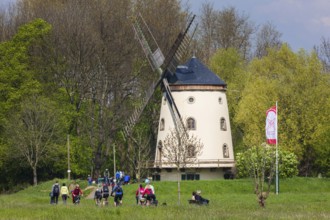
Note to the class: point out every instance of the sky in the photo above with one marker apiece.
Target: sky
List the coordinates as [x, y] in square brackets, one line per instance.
[302, 22]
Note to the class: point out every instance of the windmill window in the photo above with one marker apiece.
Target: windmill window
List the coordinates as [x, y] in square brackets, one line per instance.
[191, 124]
[164, 101]
[223, 125]
[191, 100]
[162, 124]
[191, 151]
[220, 100]
[225, 151]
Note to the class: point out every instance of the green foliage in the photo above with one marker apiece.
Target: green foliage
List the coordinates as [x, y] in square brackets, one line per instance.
[296, 81]
[288, 164]
[34, 132]
[80, 157]
[250, 160]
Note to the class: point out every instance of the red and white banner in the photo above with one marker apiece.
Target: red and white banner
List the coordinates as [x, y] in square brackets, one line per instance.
[271, 125]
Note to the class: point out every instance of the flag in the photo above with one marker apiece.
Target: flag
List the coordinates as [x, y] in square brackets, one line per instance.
[271, 125]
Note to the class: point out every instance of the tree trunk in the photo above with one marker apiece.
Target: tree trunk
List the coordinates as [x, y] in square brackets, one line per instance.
[35, 179]
[98, 160]
[179, 189]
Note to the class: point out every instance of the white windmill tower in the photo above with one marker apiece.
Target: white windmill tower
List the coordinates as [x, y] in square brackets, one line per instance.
[193, 93]
[200, 96]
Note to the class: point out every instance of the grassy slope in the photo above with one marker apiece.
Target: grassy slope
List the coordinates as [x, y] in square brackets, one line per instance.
[299, 198]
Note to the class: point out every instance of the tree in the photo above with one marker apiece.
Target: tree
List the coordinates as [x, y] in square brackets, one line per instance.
[259, 161]
[34, 131]
[296, 81]
[181, 149]
[140, 153]
[224, 29]
[17, 79]
[267, 37]
[97, 62]
[323, 52]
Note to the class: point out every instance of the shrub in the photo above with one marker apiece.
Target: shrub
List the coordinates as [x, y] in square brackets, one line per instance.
[287, 162]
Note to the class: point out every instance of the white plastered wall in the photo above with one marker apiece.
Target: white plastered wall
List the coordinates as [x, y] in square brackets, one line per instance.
[207, 111]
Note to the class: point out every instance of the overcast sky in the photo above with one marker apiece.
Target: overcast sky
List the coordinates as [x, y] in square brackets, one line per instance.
[302, 22]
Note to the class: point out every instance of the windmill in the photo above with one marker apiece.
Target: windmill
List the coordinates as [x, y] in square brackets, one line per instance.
[195, 91]
[157, 61]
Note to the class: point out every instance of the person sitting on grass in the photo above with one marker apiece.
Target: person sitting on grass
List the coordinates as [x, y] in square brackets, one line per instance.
[193, 196]
[149, 192]
[139, 193]
[200, 199]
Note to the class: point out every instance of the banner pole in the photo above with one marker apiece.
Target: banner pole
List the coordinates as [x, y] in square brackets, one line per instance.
[277, 179]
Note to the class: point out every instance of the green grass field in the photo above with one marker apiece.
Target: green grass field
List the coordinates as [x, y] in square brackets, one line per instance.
[299, 198]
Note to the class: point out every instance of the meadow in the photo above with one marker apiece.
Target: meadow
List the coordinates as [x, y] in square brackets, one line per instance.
[299, 198]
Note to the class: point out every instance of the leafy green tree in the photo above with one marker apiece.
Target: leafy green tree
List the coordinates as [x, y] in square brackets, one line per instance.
[16, 78]
[296, 81]
[17, 81]
[34, 132]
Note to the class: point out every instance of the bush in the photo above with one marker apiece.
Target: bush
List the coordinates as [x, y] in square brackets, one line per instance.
[288, 163]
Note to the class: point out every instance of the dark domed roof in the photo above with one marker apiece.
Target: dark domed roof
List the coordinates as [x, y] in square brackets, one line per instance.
[193, 72]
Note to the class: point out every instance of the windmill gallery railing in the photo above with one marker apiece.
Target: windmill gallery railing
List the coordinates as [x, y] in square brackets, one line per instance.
[202, 163]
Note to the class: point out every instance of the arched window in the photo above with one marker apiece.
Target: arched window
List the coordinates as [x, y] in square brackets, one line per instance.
[225, 151]
[223, 125]
[220, 100]
[191, 151]
[162, 124]
[191, 125]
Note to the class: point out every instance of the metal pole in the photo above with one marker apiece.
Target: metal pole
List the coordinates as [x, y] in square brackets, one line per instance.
[114, 160]
[68, 143]
[277, 180]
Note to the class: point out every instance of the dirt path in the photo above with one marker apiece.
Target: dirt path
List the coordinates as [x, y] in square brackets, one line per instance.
[91, 194]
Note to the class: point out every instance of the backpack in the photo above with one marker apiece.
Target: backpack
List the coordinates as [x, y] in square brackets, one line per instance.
[119, 190]
[56, 189]
[98, 194]
[105, 189]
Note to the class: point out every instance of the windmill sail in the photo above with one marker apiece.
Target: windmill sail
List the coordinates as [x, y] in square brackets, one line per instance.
[156, 60]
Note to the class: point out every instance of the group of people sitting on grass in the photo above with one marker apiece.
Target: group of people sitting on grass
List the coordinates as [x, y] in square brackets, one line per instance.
[146, 196]
[196, 196]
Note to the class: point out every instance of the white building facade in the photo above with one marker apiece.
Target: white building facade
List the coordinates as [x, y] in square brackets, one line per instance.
[200, 96]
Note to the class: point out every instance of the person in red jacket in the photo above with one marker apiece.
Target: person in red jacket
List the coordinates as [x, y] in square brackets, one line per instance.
[139, 193]
[149, 192]
[76, 193]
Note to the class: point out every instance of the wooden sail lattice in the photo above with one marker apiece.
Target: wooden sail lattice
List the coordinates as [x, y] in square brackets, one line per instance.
[156, 60]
